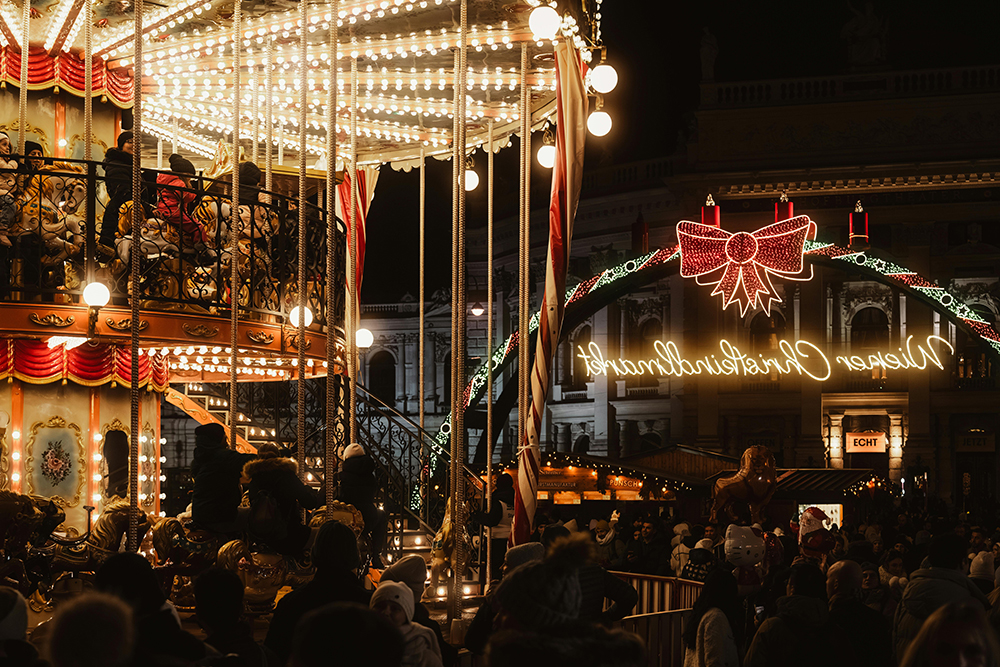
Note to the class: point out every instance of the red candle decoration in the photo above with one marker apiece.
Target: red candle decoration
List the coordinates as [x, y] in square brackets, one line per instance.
[711, 214]
[783, 209]
[859, 227]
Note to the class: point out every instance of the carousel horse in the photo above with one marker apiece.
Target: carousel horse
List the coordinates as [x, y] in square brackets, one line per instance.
[100, 543]
[25, 522]
[443, 545]
[753, 484]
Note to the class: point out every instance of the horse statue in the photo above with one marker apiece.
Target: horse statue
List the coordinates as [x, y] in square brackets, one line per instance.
[100, 543]
[25, 522]
[753, 484]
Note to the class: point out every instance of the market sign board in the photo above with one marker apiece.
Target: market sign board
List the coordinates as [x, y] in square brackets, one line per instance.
[975, 442]
[799, 357]
[870, 442]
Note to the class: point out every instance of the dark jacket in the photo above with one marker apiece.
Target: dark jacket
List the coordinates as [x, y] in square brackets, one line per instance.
[118, 181]
[357, 482]
[799, 634]
[326, 587]
[866, 633]
[279, 477]
[239, 640]
[597, 584]
[929, 589]
[216, 470]
[648, 558]
[421, 616]
[160, 640]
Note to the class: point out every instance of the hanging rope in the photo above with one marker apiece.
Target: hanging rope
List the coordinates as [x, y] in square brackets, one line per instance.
[523, 354]
[269, 102]
[352, 258]
[424, 462]
[303, 224]
[489, 337]
[22, 99]
[255, 127]
[138, 216]
[88, 123]
[234, 225]
[332, 285]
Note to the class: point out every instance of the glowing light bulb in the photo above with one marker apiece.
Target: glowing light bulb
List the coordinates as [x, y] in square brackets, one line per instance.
[471, 180]
[544, 22]
[293, 316]
[546, 156]
[364, 338]
[96, 294]
[603, 78]
[599, 123]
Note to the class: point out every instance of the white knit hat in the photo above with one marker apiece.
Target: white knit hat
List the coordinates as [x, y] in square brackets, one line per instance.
[704, 544]
[354, 450]
[982, 566]
[394, 591]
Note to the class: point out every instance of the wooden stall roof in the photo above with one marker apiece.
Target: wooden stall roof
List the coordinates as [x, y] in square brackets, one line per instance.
[683, 461]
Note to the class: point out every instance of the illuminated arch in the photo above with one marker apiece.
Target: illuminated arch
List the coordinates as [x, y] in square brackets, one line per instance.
[589, 296]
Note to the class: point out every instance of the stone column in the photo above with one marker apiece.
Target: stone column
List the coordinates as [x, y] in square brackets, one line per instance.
[411, 372]
[430, 374]
[896, 447]
[836, 442]
[401, 360]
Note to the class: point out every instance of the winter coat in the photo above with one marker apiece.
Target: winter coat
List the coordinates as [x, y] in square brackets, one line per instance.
[280, 478]
[929, 589]
[866, 633]
[799, 633]
[499, 517]
[326, 587]
[648, 557]
[118, 181]
[174, 208]
[596, 585]
[239, 640]
[216, 470]
[716, 644]
[420, 647]
[611, 553]
[357, 482]
[679, 556]
[421, 616]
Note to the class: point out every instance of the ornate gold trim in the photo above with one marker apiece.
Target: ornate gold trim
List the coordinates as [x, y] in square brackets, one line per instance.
[292, 340]
[29, 449]
[114, 425]
[261, 337]
[125, 324]
[148, 449]
[4, 462]
[200, 331]
[51, 320]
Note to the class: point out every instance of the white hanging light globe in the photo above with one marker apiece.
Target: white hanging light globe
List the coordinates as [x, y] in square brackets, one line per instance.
[364, 338]
[546, 156]
[471, 180]
[544, 22]
[603, 78]
[599, 123]
[293, 316]
[96, 294]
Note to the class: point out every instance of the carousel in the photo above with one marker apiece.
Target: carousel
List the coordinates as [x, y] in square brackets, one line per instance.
[243, 142]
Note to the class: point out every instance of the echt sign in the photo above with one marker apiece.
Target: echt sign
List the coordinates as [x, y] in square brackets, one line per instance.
[866, 443]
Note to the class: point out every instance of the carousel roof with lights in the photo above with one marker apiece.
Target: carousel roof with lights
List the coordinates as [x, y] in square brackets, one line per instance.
[406, 67]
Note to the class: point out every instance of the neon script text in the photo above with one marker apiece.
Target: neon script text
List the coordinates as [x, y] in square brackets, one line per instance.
[794, 358]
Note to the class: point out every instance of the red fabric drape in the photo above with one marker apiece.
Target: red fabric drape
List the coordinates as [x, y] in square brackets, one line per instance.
[66, 70]
[33, 361]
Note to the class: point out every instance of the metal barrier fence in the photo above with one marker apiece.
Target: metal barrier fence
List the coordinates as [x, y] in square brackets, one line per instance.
[659, 594]
[662, 634]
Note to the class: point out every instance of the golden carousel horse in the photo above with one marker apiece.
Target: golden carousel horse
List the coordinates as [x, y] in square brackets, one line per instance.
[753, 484]
[103, 541]
[25, 521]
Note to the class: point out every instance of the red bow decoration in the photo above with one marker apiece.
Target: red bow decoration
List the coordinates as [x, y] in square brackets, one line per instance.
[740, 264]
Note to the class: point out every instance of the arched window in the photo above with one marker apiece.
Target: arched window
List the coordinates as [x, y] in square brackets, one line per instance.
[765, 332]
[581, 374]
[869, 329]
[382, 377]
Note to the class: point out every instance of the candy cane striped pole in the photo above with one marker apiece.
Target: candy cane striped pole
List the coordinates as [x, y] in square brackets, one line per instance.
[567, 175]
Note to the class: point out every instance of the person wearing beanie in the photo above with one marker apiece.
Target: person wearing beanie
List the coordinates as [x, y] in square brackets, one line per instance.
[412, 571]
[118, 182]
[701, 559]
[34, 155]
[982, 573]
[610, 549]
[358, 487]
[275, 484]
[335, 556]
[216, 471]
[499, 520]
[394, 601]
[175, 202]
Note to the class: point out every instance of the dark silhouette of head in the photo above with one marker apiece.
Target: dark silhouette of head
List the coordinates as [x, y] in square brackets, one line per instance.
[336, 548]
[218, 599]
[359, 635]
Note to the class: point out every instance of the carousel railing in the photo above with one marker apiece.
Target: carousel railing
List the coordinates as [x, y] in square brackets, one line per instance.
[65, 223]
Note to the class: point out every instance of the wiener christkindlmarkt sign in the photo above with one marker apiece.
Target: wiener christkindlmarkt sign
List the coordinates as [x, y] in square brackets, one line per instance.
[739, 265]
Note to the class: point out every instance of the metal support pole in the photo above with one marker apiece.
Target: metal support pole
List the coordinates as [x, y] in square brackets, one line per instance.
[333, 379]
[22, 99]
[489, 342]
[268, 123]
[303, 233]
[524, 278]
[234, 248]
[352, 258]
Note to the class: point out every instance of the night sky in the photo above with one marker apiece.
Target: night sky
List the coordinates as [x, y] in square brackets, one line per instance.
[654, 46]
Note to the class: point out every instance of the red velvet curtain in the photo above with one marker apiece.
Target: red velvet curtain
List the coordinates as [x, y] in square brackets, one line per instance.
[66, 70]
[89, 365]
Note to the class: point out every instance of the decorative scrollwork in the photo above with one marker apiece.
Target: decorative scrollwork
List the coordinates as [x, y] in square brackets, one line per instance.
[261, 337]
[200, 331]
[292, 340]
[51, 320]
[125, 324]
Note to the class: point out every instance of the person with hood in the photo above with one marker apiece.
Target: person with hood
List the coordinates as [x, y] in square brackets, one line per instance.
[358, 487]
[680, 553]
[499, 521]
[335, 556]
[175, 201]
[481, 627]
[931, 588]
[799, 633]
[217, 471]
[610, 550]
[275, 479]
[709, 633]
[412, 571]
[394, 601]
[118, 181]
[866, 633]
[701, 559]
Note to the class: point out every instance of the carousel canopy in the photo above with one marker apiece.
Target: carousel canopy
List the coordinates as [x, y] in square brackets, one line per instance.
[405, 70]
